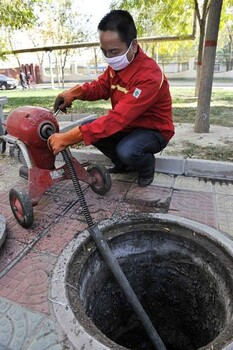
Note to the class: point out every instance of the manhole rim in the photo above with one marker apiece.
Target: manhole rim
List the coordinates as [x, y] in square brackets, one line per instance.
[70, 325]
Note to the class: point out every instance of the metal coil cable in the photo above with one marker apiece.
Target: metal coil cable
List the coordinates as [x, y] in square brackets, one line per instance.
[77, 187]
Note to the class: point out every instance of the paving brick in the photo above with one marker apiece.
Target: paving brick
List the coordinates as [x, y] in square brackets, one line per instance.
[163, 180]
[5, 210]
[5, 197]
[195, 206]
[57, 198]
[193, 184]
[59, 235]
[130, 208]
[128, 177]
[9, 174]
[151, 195]
[9, 250]
[117, 192]
[41, 222]
[27, 282]
[223, 187]
[224, 205]
[100, 209]
[16, 324]
[46, 338]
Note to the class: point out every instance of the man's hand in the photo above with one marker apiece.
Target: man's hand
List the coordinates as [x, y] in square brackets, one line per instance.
[58, 142]
[55, 143]
[62, 102]
[65, 99]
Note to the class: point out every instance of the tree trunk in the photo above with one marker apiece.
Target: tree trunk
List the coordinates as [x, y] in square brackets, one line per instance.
[200, 55]
[202, 123]
[201, 17]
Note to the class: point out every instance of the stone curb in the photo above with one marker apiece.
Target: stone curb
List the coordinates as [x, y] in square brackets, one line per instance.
[169, 165]
[2, 229]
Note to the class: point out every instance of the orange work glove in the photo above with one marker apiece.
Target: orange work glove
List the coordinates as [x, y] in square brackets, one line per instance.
[66, 98]
[58, 142]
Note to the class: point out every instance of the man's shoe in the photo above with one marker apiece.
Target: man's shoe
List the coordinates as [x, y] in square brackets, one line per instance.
[144, 181]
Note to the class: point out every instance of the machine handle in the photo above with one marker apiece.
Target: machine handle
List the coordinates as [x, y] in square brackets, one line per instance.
[56, 113]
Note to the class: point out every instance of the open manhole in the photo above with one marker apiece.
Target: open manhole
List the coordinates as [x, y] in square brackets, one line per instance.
[181, 271]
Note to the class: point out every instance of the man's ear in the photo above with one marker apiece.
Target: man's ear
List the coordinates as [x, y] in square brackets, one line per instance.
[135, 45]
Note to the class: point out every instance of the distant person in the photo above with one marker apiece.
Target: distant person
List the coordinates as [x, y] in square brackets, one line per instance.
[23, 80]
[140, 122]
[29, 79]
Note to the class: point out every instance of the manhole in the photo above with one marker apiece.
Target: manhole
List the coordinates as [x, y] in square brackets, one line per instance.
[181, 271]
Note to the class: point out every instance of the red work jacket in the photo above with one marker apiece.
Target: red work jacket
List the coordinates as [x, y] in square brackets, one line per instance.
[140, 98]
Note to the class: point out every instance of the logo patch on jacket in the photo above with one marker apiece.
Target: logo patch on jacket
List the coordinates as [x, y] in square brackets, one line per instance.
[137, 93]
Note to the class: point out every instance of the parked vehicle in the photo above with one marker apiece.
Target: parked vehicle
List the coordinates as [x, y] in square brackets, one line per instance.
[7, 83]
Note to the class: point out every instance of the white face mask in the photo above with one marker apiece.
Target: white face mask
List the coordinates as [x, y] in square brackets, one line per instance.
[118, 62]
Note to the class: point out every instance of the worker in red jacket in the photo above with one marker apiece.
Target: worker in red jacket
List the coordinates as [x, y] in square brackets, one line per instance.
[140, 121]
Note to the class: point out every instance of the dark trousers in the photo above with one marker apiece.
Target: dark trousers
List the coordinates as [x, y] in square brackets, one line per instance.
[135, 149]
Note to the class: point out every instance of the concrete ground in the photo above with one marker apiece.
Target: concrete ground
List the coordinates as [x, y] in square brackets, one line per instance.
[28, 256]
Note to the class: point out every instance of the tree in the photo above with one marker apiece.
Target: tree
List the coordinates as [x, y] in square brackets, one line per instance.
[174, 11]
[201, 15]
[225, 41]
[15, 14]
[174, 16]
[155, 17]
[202, 18]
[58, 22]
[202, 123]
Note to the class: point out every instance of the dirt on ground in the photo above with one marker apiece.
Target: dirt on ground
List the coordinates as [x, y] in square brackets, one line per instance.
[218, 137]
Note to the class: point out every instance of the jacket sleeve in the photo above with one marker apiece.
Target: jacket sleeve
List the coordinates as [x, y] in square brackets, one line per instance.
[98, 89]
[131, 106]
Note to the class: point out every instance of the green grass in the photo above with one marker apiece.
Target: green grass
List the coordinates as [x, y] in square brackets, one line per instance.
[220, 153]
[45, 98]
[184, 106]
[184, 111]
[184, 103]
[39, 97]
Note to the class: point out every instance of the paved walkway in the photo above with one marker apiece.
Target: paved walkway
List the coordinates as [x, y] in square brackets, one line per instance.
[28, 256]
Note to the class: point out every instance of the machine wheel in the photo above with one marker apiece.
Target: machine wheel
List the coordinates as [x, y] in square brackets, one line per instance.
[103, 181]
[21, 207]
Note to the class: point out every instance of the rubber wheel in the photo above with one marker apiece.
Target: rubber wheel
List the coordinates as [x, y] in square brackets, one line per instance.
[103, 180]
[21, 207]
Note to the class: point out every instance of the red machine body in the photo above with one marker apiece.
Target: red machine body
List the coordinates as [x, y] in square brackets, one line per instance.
[28, 129]
[27, 124]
